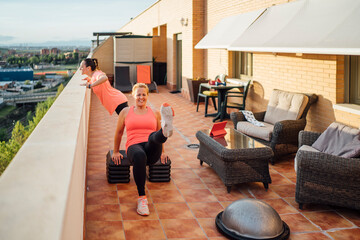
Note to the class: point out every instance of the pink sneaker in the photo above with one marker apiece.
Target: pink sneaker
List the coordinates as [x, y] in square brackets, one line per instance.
[167, 114]
[142, 206]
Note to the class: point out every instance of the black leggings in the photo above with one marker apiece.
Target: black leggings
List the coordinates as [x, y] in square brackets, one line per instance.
[120, 107]
[142, 153]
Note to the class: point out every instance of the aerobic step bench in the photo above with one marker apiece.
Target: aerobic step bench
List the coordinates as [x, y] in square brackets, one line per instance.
[158, 172]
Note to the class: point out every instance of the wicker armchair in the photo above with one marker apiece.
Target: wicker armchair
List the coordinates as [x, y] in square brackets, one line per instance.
[284, 138]
[324, 178]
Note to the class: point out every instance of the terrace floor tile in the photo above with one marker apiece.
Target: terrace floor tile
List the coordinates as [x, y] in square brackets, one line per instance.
[185, 207]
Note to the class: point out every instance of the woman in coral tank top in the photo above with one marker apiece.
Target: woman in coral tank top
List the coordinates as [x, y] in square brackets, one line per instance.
[146, 132]
[112, 99]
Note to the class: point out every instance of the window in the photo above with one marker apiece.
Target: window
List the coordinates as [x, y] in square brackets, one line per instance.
[242, 65]
[352, 79]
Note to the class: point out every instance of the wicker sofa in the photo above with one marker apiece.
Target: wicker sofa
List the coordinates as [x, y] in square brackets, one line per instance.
[325, 178]
[279, 133]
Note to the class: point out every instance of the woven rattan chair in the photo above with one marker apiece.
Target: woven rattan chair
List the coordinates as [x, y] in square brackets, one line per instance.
[324, 178]
[284, 136]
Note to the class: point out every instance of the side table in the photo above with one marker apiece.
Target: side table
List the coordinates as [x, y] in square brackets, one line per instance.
[236, 158]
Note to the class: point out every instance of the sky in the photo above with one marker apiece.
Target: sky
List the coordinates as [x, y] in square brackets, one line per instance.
[29, 22]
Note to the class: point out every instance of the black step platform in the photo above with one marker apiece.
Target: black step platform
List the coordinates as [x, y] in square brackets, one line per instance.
[121, 173]
[160, 172]
[117, 173]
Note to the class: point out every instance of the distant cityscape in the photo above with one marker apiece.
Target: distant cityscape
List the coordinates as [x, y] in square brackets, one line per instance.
[19, 64]
[29, 75]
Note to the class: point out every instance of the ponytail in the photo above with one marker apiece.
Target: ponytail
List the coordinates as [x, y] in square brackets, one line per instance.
[96, 63]
[92, 63]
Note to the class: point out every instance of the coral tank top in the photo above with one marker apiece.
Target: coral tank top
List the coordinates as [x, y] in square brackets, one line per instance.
[139, 127]
[109, 96]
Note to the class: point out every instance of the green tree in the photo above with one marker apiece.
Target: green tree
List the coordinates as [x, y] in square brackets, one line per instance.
[9, 149]
[11, 60]
[7, 152]
[60, 89]
[34, 61]
[29, 115]
[62, 58]
[43, 58]
[40, 110]
[3, 134]
[76, 56]
[20, 133]
[38, 85]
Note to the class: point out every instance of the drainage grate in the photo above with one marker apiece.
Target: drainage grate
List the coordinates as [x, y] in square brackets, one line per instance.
[192, 146]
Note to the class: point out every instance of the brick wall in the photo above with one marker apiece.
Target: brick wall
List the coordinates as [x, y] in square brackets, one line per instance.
[347, 118]
[217, 59]
[160, 44]
[198, 16]
[307, 73]
[163, 44]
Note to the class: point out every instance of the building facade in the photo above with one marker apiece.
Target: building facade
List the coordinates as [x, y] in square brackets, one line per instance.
[16, 74]
[55, 51]
[177, 26]
[44, 51]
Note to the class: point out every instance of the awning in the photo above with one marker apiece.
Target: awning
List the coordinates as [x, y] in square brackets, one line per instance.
[227, 30]
[305, 26]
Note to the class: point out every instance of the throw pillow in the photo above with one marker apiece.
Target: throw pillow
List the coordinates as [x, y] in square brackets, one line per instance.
[335, 138]
[249, 116]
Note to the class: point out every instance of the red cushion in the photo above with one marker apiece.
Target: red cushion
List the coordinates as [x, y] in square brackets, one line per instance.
[143, 74]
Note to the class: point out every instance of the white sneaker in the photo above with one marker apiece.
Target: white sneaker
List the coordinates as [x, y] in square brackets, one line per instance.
[142, 206]
[167, 114]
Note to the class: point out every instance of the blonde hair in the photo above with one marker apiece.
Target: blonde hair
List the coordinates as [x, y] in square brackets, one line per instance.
[140, 85]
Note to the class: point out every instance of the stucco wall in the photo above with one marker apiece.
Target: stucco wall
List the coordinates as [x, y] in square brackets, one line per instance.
[105, 55]
[168, 13]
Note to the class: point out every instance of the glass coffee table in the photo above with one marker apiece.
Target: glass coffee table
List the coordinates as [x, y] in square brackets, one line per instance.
[235, 157]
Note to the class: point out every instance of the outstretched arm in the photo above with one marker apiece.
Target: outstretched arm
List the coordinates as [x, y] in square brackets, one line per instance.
[101, 79]
[116, 157]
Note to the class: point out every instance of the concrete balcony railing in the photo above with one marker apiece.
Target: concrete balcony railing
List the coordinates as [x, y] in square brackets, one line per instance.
[42, 192]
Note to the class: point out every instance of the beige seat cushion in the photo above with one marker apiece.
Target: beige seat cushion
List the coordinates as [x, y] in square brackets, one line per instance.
[303, 148]
[255, 131]
[285, 106]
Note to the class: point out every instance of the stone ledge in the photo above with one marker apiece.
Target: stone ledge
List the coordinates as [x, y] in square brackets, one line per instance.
[42, 190]
[347, 107]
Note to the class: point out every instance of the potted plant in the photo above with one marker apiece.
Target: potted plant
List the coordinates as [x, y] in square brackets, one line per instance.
[193, 84]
